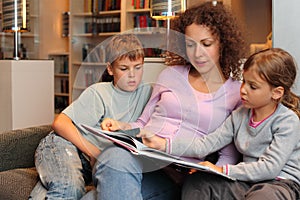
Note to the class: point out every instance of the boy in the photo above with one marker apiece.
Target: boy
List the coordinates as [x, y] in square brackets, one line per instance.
[65, 157]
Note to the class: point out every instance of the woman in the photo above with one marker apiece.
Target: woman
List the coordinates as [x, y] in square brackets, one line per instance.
[192, 99]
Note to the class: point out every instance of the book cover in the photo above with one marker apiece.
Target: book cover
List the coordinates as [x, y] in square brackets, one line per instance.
[126, 139]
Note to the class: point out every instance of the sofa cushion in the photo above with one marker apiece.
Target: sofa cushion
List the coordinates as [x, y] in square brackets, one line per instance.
[17, 184]
[17, 147]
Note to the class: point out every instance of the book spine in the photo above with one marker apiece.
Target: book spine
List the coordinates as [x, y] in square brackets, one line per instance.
[87, 7]
[118, 7]
[142, 2]
[143, 21]
[147, 4]
[100, 5]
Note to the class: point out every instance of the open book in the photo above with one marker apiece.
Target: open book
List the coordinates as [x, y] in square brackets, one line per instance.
[126, 139]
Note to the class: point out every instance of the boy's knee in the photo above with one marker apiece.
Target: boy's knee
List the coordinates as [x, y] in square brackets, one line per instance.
[65, 190]
[115, 156]
[118, 159]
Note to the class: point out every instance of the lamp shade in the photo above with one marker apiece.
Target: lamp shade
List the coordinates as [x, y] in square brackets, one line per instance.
[166, 9]
[15, 15]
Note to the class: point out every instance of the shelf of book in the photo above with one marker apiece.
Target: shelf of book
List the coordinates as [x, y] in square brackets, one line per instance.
[61, 80]
[93, 21]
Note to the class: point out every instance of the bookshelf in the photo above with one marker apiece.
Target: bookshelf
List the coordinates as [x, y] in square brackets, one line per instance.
[92, 22]
[61, 81]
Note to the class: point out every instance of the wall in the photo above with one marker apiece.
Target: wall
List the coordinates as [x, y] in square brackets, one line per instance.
[256, 18]
[286, 30]
[51, 40]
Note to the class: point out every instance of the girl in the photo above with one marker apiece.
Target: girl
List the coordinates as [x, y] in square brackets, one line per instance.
[265, 130]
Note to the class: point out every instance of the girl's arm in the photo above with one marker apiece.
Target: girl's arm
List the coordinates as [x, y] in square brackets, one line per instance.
[199, 147]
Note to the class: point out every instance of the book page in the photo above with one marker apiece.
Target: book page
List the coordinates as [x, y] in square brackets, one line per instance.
[136, 147]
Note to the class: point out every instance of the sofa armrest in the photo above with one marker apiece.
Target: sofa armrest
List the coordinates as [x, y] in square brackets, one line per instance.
[17, 147]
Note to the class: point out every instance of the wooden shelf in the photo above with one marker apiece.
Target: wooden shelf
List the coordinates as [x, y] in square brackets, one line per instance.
[62, 94]
[89, 64]
[61, 75]
[138, 10]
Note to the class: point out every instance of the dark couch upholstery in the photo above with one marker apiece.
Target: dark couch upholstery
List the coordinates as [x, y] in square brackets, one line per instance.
[17, 173]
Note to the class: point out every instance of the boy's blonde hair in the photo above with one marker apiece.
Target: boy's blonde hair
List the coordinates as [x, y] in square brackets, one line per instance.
[124, 45]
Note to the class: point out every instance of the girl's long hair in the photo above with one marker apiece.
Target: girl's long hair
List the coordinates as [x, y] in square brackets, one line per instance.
[278, 68]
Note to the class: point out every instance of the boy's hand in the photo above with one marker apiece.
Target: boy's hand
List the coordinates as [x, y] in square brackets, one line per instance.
[152, 140]
[109, 124]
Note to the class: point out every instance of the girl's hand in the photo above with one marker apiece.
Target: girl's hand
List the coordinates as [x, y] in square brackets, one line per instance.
[152, 140]
[109, 124]
[212, 166]
[208, 164]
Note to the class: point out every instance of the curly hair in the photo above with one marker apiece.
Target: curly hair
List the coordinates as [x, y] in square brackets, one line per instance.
[223, 25]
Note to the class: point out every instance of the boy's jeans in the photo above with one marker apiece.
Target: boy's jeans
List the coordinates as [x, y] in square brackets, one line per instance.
[120, 176]
[60, 167]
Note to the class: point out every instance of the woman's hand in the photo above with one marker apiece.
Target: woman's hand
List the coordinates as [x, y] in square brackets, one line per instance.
[109, 124]
[152, 140]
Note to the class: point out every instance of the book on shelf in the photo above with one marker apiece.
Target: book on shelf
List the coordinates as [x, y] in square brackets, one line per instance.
[140, 4]
[126, 139]
[95, 6]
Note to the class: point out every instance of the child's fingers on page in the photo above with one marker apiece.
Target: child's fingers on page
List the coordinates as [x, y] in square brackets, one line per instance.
[106, 124]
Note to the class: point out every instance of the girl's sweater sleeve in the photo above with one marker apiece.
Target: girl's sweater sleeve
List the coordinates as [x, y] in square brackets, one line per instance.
[199, 147]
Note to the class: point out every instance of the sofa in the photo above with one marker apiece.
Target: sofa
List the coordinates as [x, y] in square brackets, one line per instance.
[17, 173]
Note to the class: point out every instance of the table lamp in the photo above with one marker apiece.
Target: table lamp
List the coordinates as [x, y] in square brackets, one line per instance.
[167, 9]
[15, 20]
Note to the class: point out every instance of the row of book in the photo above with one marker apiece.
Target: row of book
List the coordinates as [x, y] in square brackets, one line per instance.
[140, 4]
[92, 53]
[96, 6]
[112, 23]
[144, 20]
[60, 103]
[153, 52]
[64, 86]
[103, 25]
